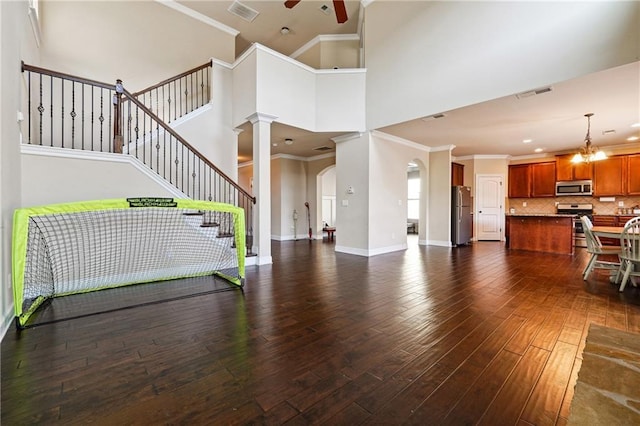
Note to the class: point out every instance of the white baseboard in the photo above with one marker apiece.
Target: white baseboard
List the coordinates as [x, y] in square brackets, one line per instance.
[7, 321]
[372, 252]
[439, 243]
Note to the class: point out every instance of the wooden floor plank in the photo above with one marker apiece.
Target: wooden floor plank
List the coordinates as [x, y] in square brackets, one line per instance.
[468, 335]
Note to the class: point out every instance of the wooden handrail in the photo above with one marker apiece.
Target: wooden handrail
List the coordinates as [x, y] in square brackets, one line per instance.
[172, 79]
[64, 76]
[133, 98]
[173, 133]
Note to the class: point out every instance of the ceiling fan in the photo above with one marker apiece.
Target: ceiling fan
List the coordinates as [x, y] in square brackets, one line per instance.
[338, 5]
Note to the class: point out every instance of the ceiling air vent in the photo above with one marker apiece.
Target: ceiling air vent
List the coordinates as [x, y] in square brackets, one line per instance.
[325, 9]
[323, 148]
[242, 11]
[534, 92]
[433, 117]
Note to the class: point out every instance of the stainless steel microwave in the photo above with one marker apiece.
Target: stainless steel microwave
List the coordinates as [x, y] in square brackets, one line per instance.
[574, 187]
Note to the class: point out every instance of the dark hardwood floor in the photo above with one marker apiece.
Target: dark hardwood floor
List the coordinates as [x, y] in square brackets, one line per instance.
[431, 335]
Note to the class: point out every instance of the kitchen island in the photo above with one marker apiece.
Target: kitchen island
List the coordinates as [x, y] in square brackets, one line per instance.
[549, 233]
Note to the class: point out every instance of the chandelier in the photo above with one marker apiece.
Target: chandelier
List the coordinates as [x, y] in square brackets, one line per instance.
[588, 152]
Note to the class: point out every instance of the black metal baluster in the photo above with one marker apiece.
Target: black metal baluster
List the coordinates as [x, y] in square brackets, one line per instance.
[82, 118]
[164, 108]
[101, 119]
[208, 85]
[137, 130]
[73, 114]
[111, 138]
[29, 106]
[158, 148]
[51, 105]
[41, 111]
[62, 112]
[93, 90]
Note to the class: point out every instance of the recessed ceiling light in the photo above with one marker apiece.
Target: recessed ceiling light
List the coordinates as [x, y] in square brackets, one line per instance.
[527, 140]
[274, 144]
[284, 30]
[633, 138]
[635, 125]
[538, 150]
[288, 141]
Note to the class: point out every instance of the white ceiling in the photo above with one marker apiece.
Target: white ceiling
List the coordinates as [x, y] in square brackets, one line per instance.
[554, 121]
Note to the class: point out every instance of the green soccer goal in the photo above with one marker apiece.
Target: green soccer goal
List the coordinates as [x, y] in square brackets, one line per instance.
[68, 249]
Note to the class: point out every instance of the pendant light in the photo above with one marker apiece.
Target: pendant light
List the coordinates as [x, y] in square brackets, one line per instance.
[588, 152]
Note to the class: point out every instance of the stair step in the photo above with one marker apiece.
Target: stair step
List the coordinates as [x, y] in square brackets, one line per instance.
[199, 213]
[224, 235]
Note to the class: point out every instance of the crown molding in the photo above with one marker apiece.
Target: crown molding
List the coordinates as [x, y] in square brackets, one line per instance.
[401, 141]
[324, 37]
[292, 157]
[171, 4]
[347, 137]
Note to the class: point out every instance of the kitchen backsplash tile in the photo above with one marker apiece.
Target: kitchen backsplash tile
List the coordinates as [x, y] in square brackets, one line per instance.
[548, 205]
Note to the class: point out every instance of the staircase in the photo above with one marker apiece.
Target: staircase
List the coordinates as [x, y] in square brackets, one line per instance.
[72, 112]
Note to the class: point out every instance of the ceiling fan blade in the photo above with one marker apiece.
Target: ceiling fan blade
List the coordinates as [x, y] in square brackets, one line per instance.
[290, 3]
[341, 11]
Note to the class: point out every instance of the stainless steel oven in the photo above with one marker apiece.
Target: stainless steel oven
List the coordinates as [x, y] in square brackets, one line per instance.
[580, 209]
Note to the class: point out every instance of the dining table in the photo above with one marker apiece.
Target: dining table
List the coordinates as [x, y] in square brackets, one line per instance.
[607, 231]
[612, 232]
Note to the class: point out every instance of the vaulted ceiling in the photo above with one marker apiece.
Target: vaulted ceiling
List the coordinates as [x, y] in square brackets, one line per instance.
[548, 120]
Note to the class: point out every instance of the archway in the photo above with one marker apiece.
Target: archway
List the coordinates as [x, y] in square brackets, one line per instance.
[326, 198]
[417, 185]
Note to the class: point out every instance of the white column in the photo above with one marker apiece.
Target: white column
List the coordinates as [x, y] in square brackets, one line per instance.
[262, 186]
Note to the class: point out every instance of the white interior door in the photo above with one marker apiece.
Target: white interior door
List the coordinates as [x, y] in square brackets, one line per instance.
[489, 207]
[329, 210]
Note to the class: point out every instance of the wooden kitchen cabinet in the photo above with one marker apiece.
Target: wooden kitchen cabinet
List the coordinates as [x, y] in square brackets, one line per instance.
[532, 180]
[566, 170]
[610, 176]
[549, 234]
[633, 174]
[520, 181]
[457, 174]
[543, 179]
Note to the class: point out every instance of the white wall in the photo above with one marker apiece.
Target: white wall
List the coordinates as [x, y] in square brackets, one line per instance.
[388, 191]
[52, 176]
[268, 82]
[352, 170]
[340, 97]
[244, 91]
[428, 57]
[17, 42]
[329, 183]
[285, 89]
[140, 42]
[375, 165]
[209, 130]
[293, 197]
[439, 210]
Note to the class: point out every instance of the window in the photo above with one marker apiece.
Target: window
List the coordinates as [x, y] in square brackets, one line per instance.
[413, 198]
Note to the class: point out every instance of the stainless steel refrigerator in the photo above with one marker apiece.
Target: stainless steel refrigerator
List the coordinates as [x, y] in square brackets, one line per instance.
[460, 215]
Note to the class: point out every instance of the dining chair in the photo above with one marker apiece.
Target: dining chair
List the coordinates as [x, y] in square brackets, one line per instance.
[630, 254]
[596, 249]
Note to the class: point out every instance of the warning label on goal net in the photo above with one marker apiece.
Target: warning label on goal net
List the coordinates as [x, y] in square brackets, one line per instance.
[151, 202]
